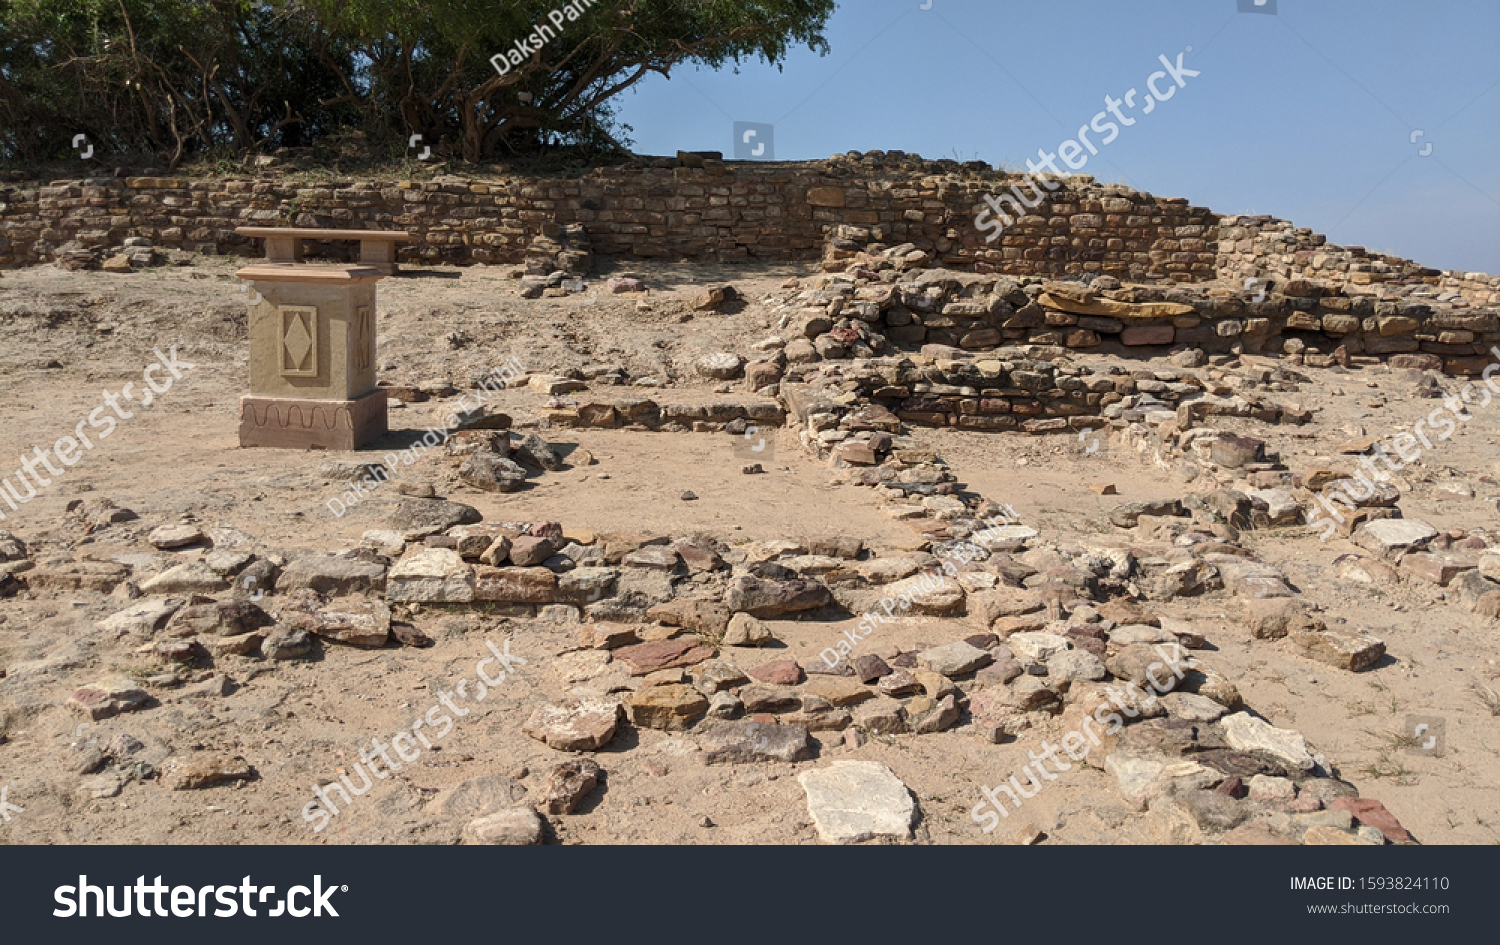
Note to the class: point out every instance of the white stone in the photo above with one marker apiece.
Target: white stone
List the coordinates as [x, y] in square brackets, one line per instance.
[1489, 566]
[853, 801]
[1003, 537]
[721, 365]
[1283, 508]
[1036, 647]
[930, 594]
[1141, 777]
[517, 826]
[1140, 633]
[143, 617]
[1245, 732]
[1389, 535]
[191, 578]
[1192, 707]
[386, 542]
[1071, 665]
[432, 575]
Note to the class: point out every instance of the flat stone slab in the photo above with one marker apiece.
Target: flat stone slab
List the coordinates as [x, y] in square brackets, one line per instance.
[954, 659]
[1036, 647]
[418, 518]
[1245, 732]
[108, 698]
[1141, 776]
[854, 801]
[643, 658]
[584, 725]
[747, 742]
[1387, 536]
[671, 708]
[518, 826]
[934, 596]
[191, 578]
[1192, 708]
[1351, 650]
[431, 575]
[144, 617]
[1004, 537]
[333, 575]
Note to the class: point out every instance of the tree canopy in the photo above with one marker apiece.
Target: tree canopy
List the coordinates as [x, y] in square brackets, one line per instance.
[192, 78]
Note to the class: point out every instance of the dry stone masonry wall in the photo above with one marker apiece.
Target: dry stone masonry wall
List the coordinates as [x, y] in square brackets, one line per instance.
[1144, 271]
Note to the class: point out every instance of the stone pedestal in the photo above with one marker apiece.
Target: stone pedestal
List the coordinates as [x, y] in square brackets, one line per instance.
[286, 423]
[312, 358]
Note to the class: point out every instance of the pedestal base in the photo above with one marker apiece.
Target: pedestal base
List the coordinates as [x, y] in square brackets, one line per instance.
[287, 423]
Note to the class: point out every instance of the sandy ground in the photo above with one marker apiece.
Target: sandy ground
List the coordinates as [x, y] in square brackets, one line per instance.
[65, 337]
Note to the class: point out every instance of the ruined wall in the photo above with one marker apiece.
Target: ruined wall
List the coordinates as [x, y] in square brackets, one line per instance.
[718, 209]
[1328, 301]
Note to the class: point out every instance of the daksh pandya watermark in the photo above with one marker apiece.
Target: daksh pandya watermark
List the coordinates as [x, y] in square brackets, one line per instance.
[532, 43]
[361, 489]
[928, 585]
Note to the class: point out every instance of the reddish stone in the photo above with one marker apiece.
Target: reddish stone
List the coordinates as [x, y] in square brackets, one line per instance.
[1416, 362]
[515, 585]
[699, 559]
[1369, 811]
[646, 658]
[778, 673]
[760, 374]
[1148, 335]
[870, 668]
[527, 551]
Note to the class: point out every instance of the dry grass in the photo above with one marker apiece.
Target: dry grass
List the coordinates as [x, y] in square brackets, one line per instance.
[1487, 697]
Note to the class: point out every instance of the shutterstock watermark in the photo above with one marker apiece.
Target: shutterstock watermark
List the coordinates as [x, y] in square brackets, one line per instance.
[1079, 744]
[1428, 734]
[320, 812]
[67, 449]
[1072, 151]
[927, 585]
[1361, 485]
[754, 141]
[148, 900]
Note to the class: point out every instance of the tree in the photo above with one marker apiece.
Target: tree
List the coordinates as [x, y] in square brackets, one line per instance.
[429, 66]
[169, 77]
[193, 77]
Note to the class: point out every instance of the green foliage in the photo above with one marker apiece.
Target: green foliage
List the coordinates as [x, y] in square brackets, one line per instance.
[178, 78]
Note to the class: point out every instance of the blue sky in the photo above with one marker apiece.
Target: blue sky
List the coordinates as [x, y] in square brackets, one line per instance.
[1307, 114]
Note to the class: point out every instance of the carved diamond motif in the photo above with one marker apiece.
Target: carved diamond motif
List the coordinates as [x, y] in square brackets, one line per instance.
[299, 341]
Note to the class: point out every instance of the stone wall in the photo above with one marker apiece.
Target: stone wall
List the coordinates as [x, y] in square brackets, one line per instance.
[1318, 307]
[714, 209]
[1323, 301]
